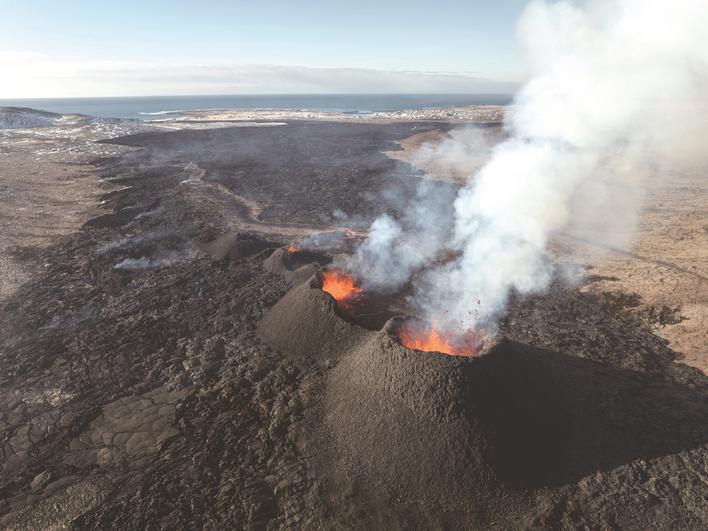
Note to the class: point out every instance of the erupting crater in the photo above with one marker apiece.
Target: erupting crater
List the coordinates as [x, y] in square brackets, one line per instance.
[367, 309]
[341, 286]
[429, 337]
[295, 263]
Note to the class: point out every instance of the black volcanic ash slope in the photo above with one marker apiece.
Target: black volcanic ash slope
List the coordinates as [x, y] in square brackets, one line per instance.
[145, 396]
[479, 440]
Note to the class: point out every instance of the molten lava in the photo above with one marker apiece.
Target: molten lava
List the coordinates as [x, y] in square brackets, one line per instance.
[292, 248]
[420, 336]
[340, 285]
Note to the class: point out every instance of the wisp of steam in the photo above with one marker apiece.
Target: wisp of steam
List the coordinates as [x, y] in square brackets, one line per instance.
[617, 96]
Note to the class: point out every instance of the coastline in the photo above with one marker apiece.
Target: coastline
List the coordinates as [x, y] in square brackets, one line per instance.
[485, 114]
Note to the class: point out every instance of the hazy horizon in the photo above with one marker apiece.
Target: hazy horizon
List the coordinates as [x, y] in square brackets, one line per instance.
[255, 94]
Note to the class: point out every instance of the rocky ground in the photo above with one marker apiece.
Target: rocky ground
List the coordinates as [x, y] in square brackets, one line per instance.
[137, 389]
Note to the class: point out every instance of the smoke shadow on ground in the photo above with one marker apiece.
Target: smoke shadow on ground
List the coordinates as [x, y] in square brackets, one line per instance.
[553, 419]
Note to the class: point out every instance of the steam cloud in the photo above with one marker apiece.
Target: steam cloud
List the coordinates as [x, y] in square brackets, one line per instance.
[617, 96]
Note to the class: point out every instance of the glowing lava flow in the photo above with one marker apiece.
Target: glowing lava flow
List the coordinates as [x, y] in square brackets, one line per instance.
[292, 248]
[428, 339]
[340, 285]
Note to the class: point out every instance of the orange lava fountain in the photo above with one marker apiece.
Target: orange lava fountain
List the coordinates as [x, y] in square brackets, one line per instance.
[419, 336]
[340, 285]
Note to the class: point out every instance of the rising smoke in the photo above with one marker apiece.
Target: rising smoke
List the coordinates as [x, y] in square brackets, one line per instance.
[395, 249]
[617, 96]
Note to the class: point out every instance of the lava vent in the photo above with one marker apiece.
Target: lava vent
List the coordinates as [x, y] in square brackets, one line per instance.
[306, 322]
[296, 265]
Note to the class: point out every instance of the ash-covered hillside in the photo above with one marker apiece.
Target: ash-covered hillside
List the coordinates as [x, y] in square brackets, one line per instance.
[171, 364]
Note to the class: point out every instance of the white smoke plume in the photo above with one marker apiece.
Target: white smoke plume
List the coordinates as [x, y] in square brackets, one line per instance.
[395, 249]
[617, 96]
[147, 263]
[460, 153]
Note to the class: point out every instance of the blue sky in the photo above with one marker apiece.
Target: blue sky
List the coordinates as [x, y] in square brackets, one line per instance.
[82, 48]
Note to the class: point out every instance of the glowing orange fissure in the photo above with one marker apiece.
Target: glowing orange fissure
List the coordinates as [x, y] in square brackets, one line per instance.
[428, 339]
[340, 285]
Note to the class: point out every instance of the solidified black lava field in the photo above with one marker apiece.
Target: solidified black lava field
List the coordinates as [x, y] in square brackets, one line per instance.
[174, 366]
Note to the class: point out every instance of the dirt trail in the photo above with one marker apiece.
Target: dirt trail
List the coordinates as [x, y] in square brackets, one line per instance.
[248, 216]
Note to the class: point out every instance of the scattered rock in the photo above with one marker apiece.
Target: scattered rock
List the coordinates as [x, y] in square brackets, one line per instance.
[40, 480]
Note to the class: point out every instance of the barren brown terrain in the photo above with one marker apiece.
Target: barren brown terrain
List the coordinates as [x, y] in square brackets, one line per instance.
[166, 362]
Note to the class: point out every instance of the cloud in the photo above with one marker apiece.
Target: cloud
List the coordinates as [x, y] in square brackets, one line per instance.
[27, 75]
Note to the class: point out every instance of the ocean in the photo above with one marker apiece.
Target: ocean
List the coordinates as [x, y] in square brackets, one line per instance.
[142, 108]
